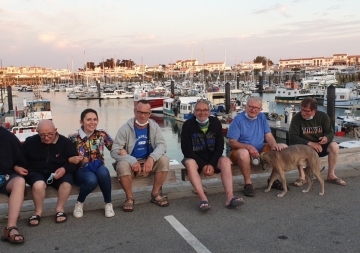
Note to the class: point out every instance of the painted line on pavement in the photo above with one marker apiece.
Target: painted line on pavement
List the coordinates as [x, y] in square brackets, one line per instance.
[189, 237]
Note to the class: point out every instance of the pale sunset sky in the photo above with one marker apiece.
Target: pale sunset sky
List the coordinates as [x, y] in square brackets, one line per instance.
[55, 33]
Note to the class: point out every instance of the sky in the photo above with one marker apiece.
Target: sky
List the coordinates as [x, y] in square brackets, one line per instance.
[64, 34]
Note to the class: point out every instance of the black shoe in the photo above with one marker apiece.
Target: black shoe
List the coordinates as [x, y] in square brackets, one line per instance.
[278, 185]
[249, 190]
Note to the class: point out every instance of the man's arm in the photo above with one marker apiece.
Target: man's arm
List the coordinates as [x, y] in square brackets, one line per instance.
[270, 140]
[160, 143]
[118, 144]
[219, 144]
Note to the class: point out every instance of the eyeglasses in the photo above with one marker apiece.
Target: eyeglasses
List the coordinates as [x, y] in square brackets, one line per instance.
[202, 111]
[143, 113]
[43, 136]
[306, 111]
[254, 108]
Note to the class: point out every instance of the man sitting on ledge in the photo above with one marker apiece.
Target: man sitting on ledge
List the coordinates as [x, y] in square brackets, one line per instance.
[145, 152]
[246, 134]
[312, 127]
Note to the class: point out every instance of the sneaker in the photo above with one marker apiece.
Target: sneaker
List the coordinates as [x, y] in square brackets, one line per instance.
[249, 190]
[78, 211]
[109, 211]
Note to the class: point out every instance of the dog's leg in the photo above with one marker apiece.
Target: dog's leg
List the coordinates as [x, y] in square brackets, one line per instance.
[317, 175]
[272, 179]
[309, 178]
[283, 180]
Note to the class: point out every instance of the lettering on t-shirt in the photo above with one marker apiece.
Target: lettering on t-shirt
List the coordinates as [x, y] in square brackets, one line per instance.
[312, 130]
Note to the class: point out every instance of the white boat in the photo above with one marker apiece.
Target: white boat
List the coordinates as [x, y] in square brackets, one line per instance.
[155, 97]
[73, 95]
[110, 94]
[181, 108]
[321, 78]
[345, 98]
[23, 132]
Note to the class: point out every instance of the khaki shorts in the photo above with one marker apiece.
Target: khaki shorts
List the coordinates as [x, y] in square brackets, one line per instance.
[233, 153]
[123, 168]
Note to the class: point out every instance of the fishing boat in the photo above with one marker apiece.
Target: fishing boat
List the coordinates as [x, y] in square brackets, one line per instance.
[345, 98]
[110, 94]
[155, 97]
[181, 108]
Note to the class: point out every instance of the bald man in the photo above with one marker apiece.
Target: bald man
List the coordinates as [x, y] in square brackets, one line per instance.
[48, 153]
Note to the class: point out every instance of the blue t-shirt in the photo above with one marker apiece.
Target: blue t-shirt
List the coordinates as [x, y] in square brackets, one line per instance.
[249, 131]
[140, 150]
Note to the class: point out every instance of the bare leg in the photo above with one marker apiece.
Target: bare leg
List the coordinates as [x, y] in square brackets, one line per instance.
[194, 177]
[16, 188]
[38, 193]
[126, 185]
[244, 164]
[224, 165]
[333, 150]
[63, 195]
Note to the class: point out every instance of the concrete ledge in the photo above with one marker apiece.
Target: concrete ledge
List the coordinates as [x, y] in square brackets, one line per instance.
[138, 182]
[347, 156]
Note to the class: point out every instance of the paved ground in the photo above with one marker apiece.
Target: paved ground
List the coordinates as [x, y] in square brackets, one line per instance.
[297, 222]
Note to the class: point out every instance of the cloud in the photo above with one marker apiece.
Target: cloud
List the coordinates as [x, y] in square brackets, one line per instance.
[277, 7]
[47, 37]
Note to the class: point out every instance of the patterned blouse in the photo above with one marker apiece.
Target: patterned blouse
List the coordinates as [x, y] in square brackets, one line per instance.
[92, 147]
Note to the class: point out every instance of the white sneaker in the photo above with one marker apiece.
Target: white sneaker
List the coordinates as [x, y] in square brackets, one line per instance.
[109, 211]
[78, 211]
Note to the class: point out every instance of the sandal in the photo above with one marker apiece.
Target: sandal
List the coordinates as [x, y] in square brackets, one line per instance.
[235, 202]
[11, 238]
[278, 185]
[32, 218]
[59, 215]
[159, 202]
[299, 182]
[202, 206]
[128, 207]
[337, 181]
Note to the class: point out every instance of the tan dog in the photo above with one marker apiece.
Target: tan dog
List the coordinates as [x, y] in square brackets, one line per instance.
[301, 156]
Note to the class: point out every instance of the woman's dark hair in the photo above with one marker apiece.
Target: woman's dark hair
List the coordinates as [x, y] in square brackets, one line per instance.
[86, 111]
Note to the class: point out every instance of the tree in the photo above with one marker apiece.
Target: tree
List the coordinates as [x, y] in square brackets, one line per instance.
[127, 63]
[262, 59]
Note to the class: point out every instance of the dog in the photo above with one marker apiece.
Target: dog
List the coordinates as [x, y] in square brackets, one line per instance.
[301, 156]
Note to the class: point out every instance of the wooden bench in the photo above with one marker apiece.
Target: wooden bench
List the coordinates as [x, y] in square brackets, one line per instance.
[346, 156]
[138, 182]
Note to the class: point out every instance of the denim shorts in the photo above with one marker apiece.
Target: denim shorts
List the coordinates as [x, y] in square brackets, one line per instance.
[3, 187]
[34, 176]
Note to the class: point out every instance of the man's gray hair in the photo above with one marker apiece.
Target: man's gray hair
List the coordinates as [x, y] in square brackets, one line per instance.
[255, 99]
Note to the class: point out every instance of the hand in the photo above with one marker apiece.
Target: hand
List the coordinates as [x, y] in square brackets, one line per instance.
[208, 170]
[279, 146]
[316, 146]
[75, 159]
[148, 165]
[136, 167]
[122, 152]
[20, 170]
[323, 140]
[252, 151]
[59, 173]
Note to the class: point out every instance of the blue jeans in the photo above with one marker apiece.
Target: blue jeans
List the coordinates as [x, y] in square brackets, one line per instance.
[88, 181]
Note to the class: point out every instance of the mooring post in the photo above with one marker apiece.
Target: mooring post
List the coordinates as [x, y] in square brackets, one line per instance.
[331, 104]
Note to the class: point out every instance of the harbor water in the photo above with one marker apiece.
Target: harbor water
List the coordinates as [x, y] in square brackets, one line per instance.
[115, 112]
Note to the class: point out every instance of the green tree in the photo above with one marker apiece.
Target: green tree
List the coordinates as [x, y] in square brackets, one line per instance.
[263, 59]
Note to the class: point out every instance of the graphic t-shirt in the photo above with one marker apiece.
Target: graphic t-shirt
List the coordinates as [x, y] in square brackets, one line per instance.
[141, 147]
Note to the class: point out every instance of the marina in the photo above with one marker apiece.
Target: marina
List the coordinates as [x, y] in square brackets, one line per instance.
[115, 112]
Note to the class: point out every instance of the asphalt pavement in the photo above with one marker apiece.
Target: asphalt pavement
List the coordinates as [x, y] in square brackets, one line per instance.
[298, 222]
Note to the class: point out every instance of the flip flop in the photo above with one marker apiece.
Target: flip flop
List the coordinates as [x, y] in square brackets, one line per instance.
[34, 217]
[202, 206]
[235, 202]
[337, 181]
[58, 215]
